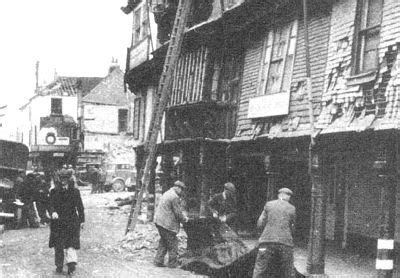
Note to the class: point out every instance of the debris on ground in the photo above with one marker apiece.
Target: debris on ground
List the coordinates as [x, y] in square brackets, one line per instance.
[121, 203]
[126, 201]
[143, 241]
[214, 249]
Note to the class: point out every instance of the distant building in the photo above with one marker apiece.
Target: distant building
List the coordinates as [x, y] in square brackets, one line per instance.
[49, 120]
[107, 123]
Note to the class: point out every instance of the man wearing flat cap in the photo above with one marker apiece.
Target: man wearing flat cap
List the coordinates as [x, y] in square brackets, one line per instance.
[224, 206]
[276, 241]
[168, 216]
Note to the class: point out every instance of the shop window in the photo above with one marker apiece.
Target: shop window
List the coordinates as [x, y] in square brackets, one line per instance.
[56, 106]
[278, 57]
[122, 120]
[368, 26]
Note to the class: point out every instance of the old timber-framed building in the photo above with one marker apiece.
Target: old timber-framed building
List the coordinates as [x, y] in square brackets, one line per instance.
[239, 109]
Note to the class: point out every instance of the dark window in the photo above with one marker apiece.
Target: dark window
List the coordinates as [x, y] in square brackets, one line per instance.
[122, 120]
[56, 106]
[231, 73]
[368, 25]
[74, 133]
[136, 118]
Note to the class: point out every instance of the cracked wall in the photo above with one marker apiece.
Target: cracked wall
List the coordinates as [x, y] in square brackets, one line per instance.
[354, 103]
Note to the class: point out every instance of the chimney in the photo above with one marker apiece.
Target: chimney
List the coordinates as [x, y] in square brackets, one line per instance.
[114, 65]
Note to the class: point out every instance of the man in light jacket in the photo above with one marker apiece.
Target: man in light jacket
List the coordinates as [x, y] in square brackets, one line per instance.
[167, 218]
[276, 241]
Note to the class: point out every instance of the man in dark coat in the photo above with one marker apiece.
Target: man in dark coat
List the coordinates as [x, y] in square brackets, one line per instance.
[67, 213]
[42, 199]
[28, 196]
[276, 241]
[224, 206]
[93, 178]
[167, 218]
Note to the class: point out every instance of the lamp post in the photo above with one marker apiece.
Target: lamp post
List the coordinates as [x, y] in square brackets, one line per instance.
[316, 244]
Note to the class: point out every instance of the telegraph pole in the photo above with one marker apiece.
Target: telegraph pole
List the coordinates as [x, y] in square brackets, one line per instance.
[37, 76]
[316, 244]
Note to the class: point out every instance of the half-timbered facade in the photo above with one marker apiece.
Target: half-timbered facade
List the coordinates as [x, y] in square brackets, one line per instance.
[240, 110]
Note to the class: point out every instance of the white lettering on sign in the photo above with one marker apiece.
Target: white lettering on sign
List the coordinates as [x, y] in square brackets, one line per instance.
[269, 105]
[386, 244]
[58, 154]
[62, 141]
[384, 264]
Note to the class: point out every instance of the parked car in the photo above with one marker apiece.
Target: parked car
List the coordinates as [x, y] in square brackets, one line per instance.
[120, 177]
[82, 175]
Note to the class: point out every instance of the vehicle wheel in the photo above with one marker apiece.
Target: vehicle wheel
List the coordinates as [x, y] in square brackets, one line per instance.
[118, 186]
[107, 187]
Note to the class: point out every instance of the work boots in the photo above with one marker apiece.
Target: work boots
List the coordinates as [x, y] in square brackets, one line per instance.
[59, 269]
[71, 268]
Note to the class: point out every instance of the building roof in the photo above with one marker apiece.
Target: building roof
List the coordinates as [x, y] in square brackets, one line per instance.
[69, 86]
[110, 91]
[66, 86]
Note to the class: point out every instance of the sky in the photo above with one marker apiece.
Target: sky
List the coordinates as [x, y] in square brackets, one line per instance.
[71, 37]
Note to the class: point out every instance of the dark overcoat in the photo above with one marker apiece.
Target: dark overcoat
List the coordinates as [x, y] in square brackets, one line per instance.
[65, 230]
[224, 206]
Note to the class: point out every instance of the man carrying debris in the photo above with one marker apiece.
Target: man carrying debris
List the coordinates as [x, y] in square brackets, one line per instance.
[223, 205]
[276, 241]
[167, 218]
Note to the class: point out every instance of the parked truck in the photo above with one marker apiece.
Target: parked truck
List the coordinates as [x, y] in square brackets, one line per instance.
[13, 161]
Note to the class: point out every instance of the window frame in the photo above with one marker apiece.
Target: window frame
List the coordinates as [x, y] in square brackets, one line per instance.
[137, 25]
[141, 23]
[230, 76]
[268, 59]
[360, 35]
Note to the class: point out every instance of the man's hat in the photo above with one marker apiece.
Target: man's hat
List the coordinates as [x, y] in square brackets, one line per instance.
[286, 191]
[63, 173]
[180, 184]
[230, 187]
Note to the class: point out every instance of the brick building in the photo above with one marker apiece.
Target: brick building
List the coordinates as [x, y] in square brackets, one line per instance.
[107, 117]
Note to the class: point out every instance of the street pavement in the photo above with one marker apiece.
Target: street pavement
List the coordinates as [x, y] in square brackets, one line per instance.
[25, 253]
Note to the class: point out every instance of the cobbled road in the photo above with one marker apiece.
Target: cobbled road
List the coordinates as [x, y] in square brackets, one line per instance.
[25, 253]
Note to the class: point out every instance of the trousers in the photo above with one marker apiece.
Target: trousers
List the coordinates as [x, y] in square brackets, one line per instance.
[70, 255]
[168, 243]
[274, 260]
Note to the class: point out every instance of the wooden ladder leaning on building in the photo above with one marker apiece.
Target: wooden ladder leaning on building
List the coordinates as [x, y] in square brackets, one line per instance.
[163, 94]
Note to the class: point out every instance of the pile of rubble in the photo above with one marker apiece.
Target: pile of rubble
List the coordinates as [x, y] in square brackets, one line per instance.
[143, 241]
